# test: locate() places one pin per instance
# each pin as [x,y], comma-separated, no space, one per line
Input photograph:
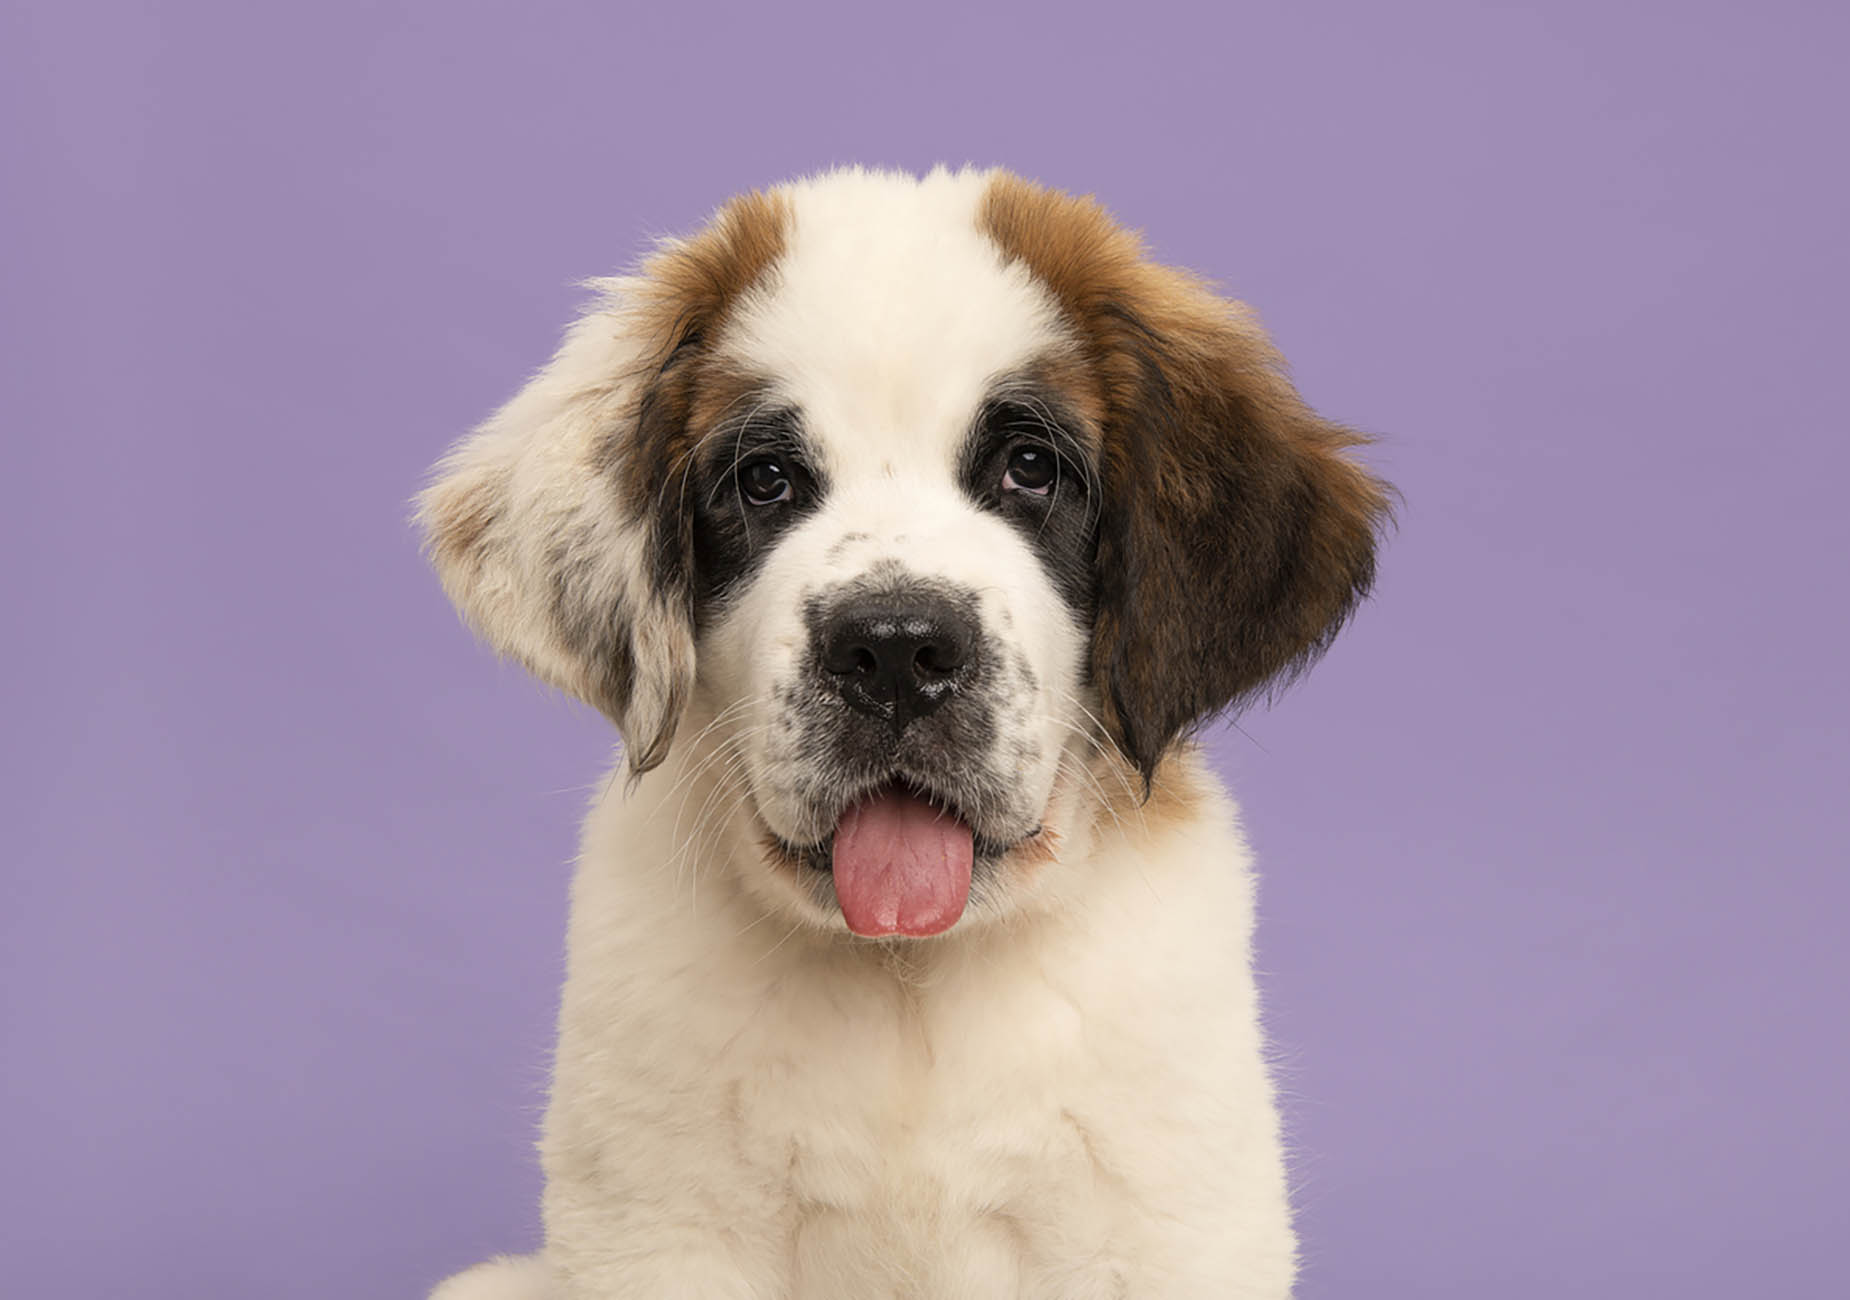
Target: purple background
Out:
[1554,841]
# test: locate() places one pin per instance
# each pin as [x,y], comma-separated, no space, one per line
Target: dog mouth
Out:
[901,858]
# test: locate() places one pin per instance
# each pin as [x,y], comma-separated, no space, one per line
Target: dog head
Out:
[936,505]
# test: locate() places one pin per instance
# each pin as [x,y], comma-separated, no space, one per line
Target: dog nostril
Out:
[943,650]
[933,660]
[852,658]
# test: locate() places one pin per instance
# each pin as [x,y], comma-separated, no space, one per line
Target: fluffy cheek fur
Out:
[763,719]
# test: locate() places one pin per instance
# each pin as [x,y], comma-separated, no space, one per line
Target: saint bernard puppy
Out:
[907,530]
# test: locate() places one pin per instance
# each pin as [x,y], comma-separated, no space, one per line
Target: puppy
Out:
[906,529]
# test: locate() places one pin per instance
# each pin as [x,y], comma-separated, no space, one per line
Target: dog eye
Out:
[765,481]
[1031,469]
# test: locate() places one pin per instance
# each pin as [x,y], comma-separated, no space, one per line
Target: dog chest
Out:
[937,1132]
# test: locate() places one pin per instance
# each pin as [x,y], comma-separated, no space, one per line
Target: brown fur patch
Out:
[688,288]
[1035,851]
[674,308]
[1173,797]
[1235,535]
[1070,373]
[457,519]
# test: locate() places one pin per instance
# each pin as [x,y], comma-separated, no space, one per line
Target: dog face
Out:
[936,505]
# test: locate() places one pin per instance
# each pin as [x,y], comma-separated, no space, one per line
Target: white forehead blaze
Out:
[887,321]
[888,318]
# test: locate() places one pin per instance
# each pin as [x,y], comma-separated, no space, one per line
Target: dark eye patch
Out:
[754,477]
[1023,460]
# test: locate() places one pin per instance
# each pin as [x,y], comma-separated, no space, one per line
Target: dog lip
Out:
[818,855]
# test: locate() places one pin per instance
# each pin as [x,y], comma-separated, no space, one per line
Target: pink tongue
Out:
[901,866]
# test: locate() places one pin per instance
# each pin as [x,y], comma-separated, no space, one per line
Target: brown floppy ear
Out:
[555,526]
[1235,533]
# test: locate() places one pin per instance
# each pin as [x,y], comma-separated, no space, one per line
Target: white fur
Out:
[1072,1106]
[1064,1097]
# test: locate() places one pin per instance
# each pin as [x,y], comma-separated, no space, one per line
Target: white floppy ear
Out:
[559,527]
[544,552]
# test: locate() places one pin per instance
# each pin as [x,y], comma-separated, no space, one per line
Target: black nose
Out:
[898,656]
